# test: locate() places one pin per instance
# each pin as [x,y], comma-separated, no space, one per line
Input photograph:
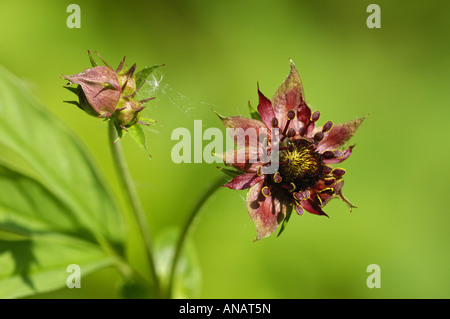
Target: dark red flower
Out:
[300,151]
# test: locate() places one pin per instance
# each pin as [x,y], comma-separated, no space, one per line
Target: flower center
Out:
[300,164]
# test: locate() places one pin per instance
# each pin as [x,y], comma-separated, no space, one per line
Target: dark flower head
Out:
[301,151]
[107,93]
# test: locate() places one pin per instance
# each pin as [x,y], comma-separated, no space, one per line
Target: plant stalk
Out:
[132,198]
[210,189]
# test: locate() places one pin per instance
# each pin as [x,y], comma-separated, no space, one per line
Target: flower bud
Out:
[128,113]
[105,93]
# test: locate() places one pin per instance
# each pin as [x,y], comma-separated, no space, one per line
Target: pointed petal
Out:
[336,160]
[242,122]
[244,131]
[266,212]
[265,109]
[304,113]
[335,192]
[244,159]
[312,207]
[289,95]
[244,181]
[339,134]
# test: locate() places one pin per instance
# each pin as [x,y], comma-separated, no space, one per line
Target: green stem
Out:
[132,196]
[210,189]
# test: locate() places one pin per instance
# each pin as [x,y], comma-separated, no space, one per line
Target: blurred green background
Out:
[215,53]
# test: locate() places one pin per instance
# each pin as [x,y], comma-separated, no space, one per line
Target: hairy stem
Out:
[132,198]
[209,190]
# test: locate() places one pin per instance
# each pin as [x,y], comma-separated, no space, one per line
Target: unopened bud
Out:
[105,93]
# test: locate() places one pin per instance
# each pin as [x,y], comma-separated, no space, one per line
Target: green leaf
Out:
[28,208]
[39,265]
[59,159]
[138,135]
[39,237]
[58,213]
[187,274]
[142,75]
